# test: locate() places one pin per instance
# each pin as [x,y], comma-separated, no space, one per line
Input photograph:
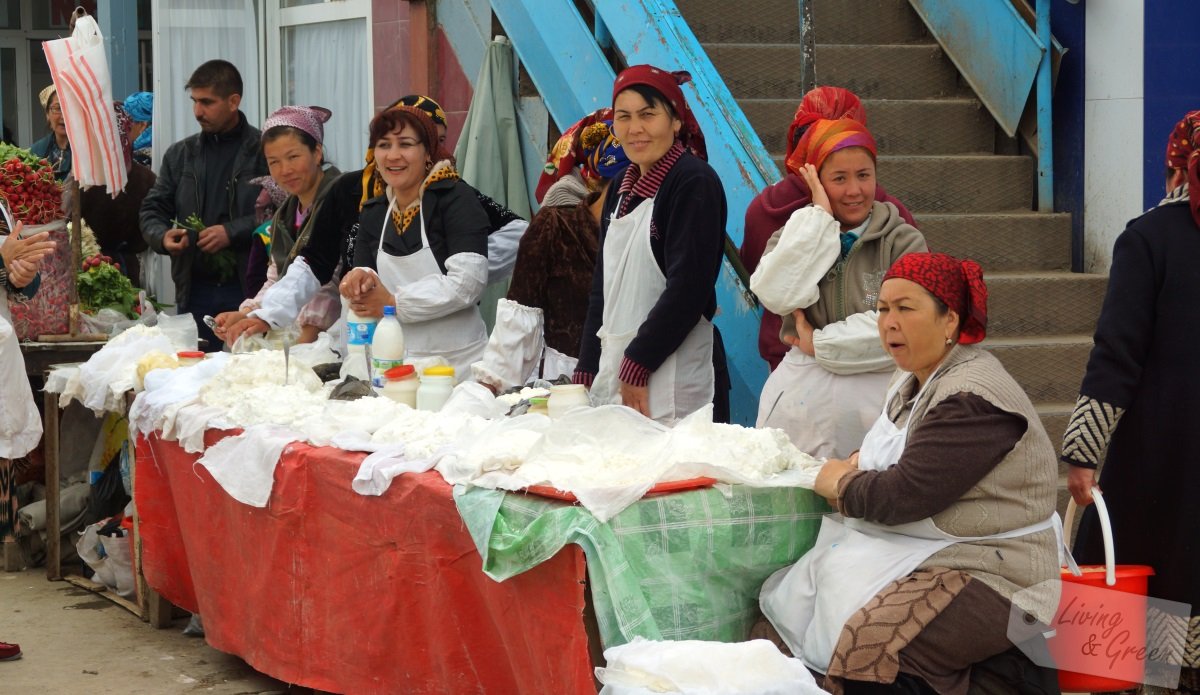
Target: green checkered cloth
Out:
[682,566]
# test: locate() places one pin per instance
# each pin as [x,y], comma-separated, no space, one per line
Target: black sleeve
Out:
[692,225]
[1125,329]
[589,347]
[335,217]
[158,207]
[464,224]
[370,222]
[951,449]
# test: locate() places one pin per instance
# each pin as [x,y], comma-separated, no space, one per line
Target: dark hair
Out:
[218,75]
[274,133]
[390,120]
[652,96]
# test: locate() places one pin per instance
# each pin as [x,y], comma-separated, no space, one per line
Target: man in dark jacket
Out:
[208,175]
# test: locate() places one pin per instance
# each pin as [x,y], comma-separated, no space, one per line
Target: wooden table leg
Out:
[53,523]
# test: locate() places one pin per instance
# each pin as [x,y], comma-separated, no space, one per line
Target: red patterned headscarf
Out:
[824,137]
[1183,152]
[567,153]
[957,283]
[667,84]
[829,103]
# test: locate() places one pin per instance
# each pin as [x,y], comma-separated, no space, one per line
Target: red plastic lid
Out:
[190,354]
[400,371]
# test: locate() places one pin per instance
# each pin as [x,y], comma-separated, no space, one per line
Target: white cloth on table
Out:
[244,465]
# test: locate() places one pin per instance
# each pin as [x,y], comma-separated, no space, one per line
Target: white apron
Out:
[20,423]
[824,414]
[633,284]
[459,337]
[854,559]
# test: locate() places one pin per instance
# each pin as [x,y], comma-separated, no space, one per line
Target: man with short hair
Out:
[208,175]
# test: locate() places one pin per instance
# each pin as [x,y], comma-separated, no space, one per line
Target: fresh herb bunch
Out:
[102,285]
[221,265]
[27,183]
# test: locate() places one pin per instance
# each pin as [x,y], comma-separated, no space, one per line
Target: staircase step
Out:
[910,71]
[1017,241]
[1049,369]
[1043,304]
[865,22]
[899,126]
[771,21]
[756,71]
[1054,417]
[961,183]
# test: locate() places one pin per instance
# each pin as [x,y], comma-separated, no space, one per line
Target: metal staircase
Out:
[942,154]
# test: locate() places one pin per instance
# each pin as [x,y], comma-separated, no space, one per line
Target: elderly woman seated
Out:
[946,512]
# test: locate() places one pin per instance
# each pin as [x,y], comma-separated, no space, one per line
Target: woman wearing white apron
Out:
[648,335]
[821,274]
[422,246]
[947,512]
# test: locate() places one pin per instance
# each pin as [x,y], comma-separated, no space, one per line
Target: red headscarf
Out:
[1183,152]
[824,137]
[958,283]
[667,84]
[829,103]
[567,153]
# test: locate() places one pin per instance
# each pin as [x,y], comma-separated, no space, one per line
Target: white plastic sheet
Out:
[646,667]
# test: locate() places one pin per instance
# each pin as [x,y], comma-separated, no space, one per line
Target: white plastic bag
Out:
[180,330]
[109,557]
[20,423]
[757,667]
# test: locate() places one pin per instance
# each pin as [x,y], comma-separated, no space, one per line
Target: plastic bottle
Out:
[436,385]
[387,346]
[359,331]
[401,384]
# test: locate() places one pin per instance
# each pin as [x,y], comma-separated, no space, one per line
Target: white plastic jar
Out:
[401,383]
[436,385]
[567,397]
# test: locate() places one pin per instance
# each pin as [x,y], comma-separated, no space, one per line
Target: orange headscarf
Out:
[824,137]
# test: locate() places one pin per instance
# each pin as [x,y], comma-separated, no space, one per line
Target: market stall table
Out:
[337,591]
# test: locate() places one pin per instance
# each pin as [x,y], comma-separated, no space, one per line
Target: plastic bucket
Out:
[1130,579]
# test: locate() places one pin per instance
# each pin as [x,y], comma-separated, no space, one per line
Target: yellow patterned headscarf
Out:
[442,171]
[372,185]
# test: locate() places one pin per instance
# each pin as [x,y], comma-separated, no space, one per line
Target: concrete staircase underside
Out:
[938,154]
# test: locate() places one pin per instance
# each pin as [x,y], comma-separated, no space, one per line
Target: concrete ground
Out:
[76,641]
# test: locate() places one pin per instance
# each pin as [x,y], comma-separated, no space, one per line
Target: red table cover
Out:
[336,591]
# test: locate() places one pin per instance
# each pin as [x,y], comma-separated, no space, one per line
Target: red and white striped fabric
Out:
[80,72]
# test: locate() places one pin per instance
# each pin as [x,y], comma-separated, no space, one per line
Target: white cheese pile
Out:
[426,433]
[250,387]
[511,399]
[750,454]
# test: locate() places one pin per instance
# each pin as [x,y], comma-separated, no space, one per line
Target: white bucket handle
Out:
[1110,569]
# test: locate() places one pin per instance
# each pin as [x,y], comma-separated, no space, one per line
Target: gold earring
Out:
[428,166]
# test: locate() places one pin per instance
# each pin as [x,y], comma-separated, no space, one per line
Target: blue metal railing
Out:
[1003,60]
[565,60]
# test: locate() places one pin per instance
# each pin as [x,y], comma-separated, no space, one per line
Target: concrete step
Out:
[1054,418]
[899,126]
[960,183]
[1020,241]
[1034,305]
[1048,368]
[771,21]
[910,71]
[759,71]
[865,22]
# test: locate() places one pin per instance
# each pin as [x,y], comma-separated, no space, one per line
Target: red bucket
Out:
[1128,579]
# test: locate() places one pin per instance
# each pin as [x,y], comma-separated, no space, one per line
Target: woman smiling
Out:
[821,273]
[648,336]
[423,245]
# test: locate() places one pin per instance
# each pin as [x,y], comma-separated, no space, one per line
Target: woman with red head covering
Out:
[648,335]
[948,519]
[1138,404]
[771,208]
[821,273]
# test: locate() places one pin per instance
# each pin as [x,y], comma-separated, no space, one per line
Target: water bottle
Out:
[359,332]
[387,346]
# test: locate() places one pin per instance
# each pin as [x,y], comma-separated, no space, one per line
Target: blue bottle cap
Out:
[389,311]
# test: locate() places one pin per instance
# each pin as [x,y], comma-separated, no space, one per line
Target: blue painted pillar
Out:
[1045,125]
[118,23]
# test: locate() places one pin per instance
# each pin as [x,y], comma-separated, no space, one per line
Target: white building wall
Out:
[1113,109]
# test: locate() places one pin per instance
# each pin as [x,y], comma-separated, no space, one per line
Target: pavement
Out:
[76,641]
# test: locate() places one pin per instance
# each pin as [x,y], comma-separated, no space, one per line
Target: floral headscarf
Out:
[1183,153]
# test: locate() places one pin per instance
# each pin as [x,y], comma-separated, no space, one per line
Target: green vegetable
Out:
[103,286]
[222,265]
